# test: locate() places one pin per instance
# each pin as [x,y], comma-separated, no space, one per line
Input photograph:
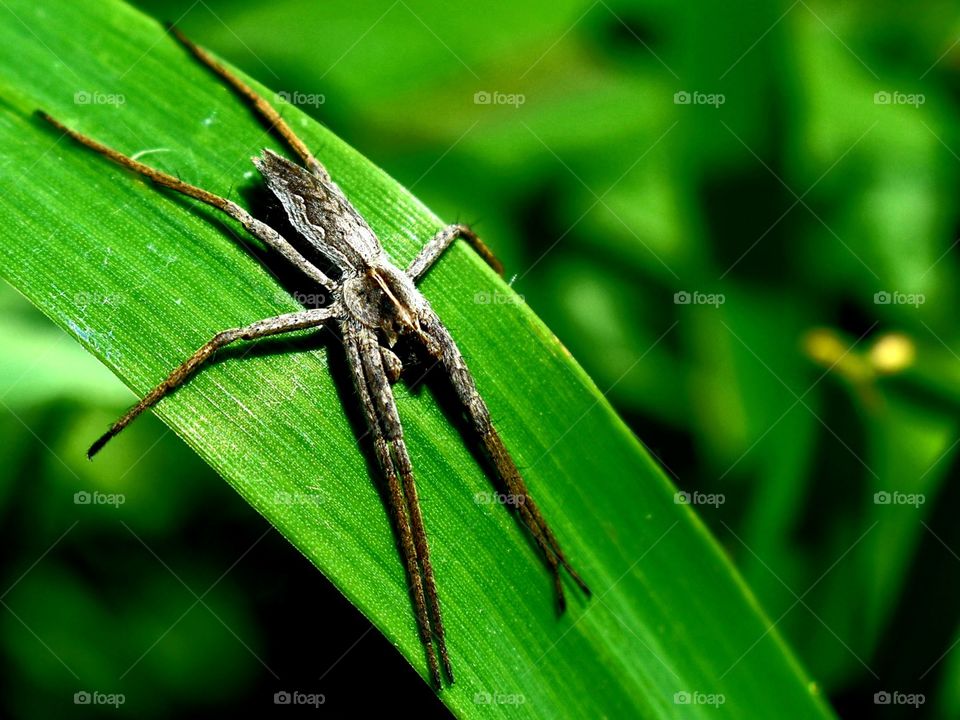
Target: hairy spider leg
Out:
[356,342]
[288,322]
[258,102]
[259,229]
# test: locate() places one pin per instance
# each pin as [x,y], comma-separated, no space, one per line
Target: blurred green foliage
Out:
[828,174]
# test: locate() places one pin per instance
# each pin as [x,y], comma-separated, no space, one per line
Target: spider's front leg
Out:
[438,244]
[369,367]
[256,227]
[259,104]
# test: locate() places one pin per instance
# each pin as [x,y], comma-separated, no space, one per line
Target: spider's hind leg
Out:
[478,413]
[373,388]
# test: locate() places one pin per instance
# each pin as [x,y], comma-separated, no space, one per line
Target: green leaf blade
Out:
[158,275]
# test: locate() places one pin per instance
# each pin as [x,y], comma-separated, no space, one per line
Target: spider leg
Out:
[258,102]
[373,388]
[270,326]
[476,409]
[391,364]
[432,251]
[379,383]
[259,229]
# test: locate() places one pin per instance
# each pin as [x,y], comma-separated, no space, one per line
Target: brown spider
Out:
[374,303]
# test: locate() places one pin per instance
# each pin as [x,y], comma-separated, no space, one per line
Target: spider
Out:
[374,303]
